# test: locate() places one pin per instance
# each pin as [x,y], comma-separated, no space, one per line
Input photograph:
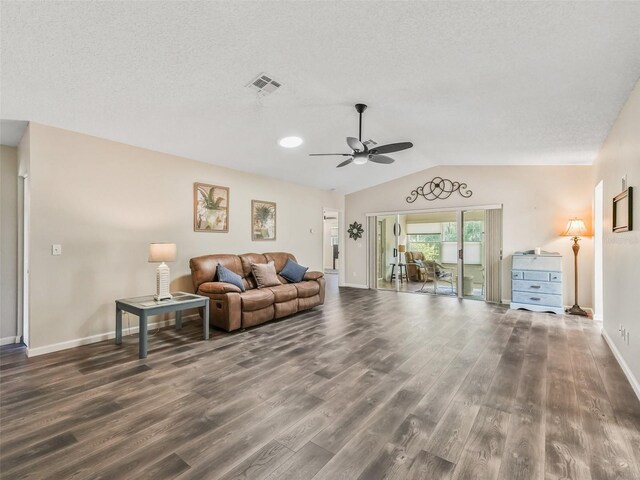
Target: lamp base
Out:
[576,310]
[162,283]
[168,296]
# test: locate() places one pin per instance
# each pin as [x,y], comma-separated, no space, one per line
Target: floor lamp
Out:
[575,229]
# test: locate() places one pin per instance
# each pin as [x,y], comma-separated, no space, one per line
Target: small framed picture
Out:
[263,220]
[623,211]
[210,208]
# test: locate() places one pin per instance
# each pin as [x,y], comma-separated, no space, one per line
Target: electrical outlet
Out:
[56,249]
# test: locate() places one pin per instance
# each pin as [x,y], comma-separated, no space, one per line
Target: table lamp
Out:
[162,252]
[576,229]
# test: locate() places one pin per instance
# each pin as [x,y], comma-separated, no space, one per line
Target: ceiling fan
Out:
[362,152]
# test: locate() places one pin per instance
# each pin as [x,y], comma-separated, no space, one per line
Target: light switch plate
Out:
[56,249]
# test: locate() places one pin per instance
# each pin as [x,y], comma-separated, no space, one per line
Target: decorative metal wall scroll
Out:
[439,188]
[355,230]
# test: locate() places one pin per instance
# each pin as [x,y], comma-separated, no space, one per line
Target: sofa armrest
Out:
[313,275]
[218,288]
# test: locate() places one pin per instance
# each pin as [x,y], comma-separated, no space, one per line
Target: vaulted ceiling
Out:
[468,83]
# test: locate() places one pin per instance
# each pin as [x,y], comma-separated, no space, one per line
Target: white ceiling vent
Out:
[264,84]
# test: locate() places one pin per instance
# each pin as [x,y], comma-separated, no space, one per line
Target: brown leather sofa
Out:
[232,309]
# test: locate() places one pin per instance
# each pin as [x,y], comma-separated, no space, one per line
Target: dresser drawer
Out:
[555,277]
[533,287]
[536,262]
[516,275]
[535,275]
[543,299]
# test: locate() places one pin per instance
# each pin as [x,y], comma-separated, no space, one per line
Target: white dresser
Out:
[536,282]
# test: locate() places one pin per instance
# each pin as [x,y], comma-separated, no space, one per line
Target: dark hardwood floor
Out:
[372,385]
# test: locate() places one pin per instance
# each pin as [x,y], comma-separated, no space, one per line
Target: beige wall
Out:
[8,243]
[620,155]
[537,203]
[105,202]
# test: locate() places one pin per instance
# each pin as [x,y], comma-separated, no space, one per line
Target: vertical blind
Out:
[493,254]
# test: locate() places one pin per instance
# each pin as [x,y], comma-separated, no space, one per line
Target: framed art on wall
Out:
[623,211]
[210,208]
[263,220]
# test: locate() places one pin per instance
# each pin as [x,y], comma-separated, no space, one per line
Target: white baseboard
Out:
[625,368]
[9,340]
[56,347]
[597,318]
[354,285]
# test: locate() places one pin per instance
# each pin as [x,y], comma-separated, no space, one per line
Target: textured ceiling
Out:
[468,83]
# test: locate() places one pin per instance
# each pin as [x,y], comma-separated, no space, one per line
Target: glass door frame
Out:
[460,237]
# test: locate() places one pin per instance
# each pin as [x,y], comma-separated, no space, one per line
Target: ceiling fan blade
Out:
[345,163]
[355,144]
[332,154]
[392,147]
[381,159]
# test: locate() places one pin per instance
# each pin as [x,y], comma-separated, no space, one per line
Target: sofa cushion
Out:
[225,275]
[265,274]
[256,299]
[203,268]
[307,289]
[293,271]
[284,293]
[313,275]
[248,259]
[279,259]
[217,288]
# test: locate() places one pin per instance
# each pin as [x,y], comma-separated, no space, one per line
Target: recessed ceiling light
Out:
[290,142]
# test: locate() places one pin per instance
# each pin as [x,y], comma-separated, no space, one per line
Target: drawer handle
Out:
[534,286]
[536,299]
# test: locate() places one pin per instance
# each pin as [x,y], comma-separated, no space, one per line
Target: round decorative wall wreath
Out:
[355,230]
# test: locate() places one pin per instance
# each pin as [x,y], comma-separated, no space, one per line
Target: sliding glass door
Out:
[390,268]
[453,253]
[473,254]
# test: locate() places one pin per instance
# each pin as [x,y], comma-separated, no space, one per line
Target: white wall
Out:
[8,244]
[537,201]
[105,202]
[620,155]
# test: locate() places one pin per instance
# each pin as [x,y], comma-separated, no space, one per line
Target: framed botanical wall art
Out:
[263,220]
[210,208]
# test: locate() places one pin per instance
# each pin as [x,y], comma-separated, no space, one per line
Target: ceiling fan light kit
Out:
[361,152]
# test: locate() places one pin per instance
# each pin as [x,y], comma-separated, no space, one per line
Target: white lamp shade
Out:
[575,228]
[162,252]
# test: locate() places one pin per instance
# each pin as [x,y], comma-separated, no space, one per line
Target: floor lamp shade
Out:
[162,252]
[576,229]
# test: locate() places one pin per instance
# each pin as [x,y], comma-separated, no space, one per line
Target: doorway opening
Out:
[331,241]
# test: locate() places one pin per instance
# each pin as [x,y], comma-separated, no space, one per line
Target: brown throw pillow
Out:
[265,274]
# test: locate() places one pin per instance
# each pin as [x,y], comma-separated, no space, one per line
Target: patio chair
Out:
[433,271]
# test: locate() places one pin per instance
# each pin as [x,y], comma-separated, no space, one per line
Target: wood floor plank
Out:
[525,442]
[304,465]
[484,450]
[427,465]
[565,452]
